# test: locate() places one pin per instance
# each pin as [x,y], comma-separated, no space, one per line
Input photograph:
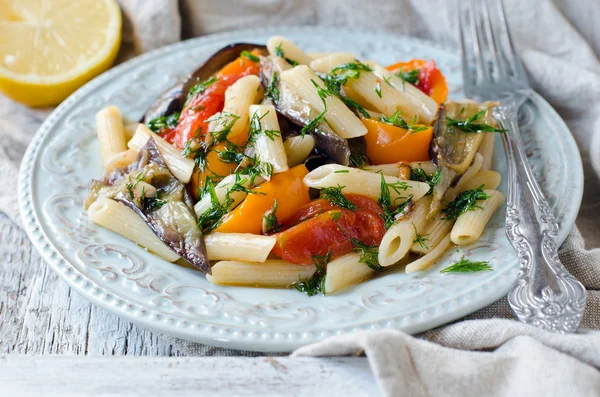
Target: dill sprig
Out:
[385,200]
[316,284]
[272,90]
[256,128]
[378,89]
[151,204]
[420,239]
[312,125]
[470,126]
[279,53]
[368,254]
[465,201]
[358,160]
[212,217]
[338,76]
[131,185]
[197,150]
[249,56]
[231,154]
[418,174]
[199,88]
[397,120]
[410,76]
[226,121]
[467,266]
[270,222]
[158,123]
[335,196]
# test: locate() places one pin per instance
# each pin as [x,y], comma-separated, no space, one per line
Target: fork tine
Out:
[512,58]
[467,69]
[497,64]
[478,46]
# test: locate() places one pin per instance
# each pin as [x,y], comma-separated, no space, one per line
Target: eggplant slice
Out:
[150,189]
[290,105]
[173,99]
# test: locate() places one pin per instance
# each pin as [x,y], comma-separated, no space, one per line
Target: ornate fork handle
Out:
[545,293]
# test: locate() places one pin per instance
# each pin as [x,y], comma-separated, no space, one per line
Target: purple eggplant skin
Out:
[174,222]
[291,106]
[173,99]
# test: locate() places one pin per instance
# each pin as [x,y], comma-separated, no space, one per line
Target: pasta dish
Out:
[272,167]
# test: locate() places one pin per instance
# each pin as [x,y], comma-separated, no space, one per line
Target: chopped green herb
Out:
[316,284]
[335,215]
[256,169]
[161,122]
[256,128]
[354,105]
[341,172]
[420,239]
[272,90]
[211,218]
[335,196]
[378,89]
[239,186]
[226,121]
[232,154]
[397,120]
[470,126]
[131,185]
[312,125]
[410,76]
[419,174]
[465,201]
[368,255]
[467,266]
[151,204]
[270,222]
[385,200]
[196,150]
[248,55]
[387,80]
[199,88]
[358,160]
[279,53]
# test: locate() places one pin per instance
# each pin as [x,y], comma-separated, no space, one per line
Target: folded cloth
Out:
[517,359]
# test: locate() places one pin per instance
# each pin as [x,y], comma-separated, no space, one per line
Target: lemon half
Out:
[49,48]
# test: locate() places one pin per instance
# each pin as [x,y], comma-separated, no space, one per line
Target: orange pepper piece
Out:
[431,80]
[287,188]
[390,144]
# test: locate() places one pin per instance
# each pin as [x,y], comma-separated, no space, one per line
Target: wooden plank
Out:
[40,314]
[165,376]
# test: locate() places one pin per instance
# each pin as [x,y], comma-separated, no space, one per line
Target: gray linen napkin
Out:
[563,68]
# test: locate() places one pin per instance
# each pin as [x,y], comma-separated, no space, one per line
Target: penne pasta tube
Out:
[468,226]
[486,149]
[274,273]
[238,98]
[116,217]
[369,90]
[341,119]
[238,246]
[433,232]
[280,46]
[119,160]
[431,257]
[400,237]
[392,169]
[489,179]
[367,183]
[268,144]
[345,271]
[111,133]
[222,189]
[297,148]
[469,173]
[420,103]
[182,167]
[317,55]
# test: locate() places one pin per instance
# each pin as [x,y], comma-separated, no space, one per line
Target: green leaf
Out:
[335,196]
[467,266]
[470,126]
[465,201]
[158,123]
[397,120]
[199,88]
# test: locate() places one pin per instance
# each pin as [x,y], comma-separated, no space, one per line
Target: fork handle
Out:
[545,294]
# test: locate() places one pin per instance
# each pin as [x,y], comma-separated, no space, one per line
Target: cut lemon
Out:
[49,48]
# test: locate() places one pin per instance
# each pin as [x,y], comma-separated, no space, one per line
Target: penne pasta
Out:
[280,46]
[490,180]
[317,55]
[238,98]
[268,144]
[274,273]
[415,100]
[369,90]
[341,119]
[116,217]
[468,226]
[182,167]
[238,246]
[469,173]
[111,134]
[399,238]
[392,169]
[297,149]
[367,183]
[433,232]
[431,257]
[222,192]
[122,159]
[486,149]
[345,271]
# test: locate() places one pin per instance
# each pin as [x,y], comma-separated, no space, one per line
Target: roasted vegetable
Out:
[173,99]
[300,113]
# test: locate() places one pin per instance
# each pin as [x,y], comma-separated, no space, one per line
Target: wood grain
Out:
[166,376]
[40,314]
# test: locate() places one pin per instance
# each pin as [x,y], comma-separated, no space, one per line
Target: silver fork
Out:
[545,293]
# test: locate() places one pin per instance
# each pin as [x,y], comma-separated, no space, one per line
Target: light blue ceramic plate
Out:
[121,277]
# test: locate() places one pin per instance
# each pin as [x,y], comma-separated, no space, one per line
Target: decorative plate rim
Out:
[230,336]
